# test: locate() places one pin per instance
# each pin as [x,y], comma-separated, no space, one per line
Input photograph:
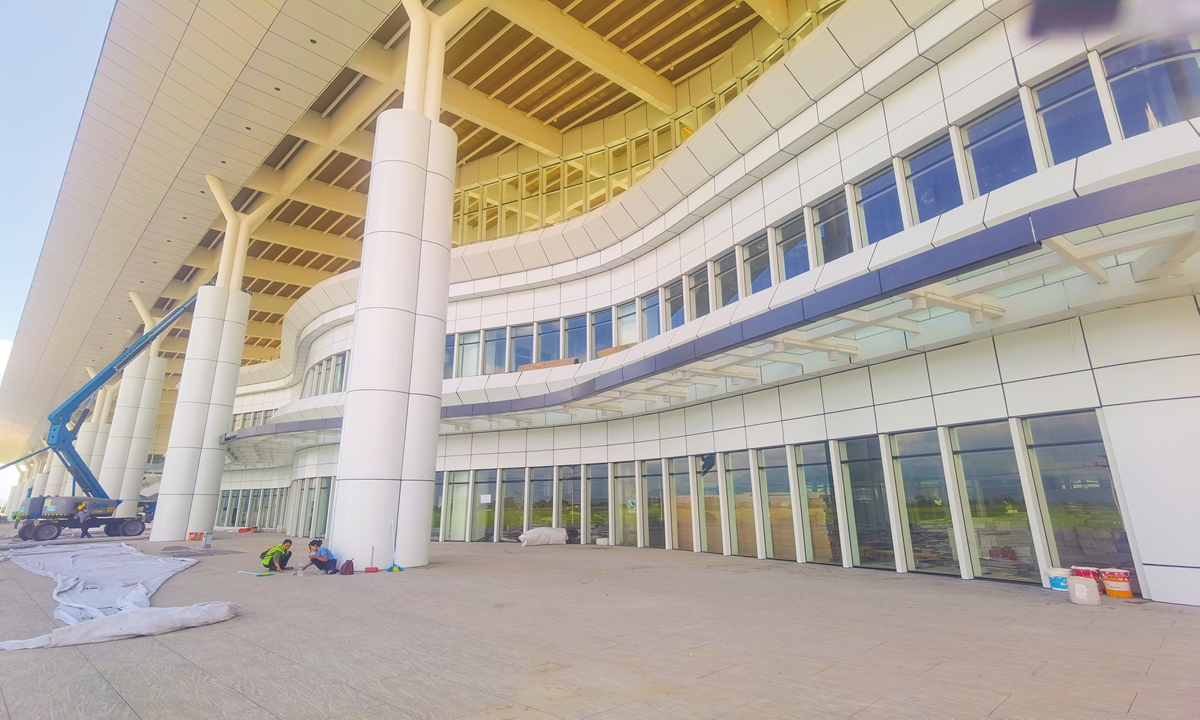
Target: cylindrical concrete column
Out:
[143,431]
[12,498]
[191,416]
[85,442]
[40,480]
[103,428]
[393,401]
[58,472]
[116,451]
[203,512]
[23,489]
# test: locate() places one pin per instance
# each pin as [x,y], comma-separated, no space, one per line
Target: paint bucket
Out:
[1116,582]
[1058,578]
[1088,572]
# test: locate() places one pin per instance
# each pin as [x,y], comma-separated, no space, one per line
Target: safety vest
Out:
[277,550]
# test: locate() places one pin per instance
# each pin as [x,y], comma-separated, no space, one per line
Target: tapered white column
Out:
[393,401]
[191,415]
[203,512]
[13,492]
[41,476]
[143,432]
[103,427]
[58,472]
[116,451]
[85,443]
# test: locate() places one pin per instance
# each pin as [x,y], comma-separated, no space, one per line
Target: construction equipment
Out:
[43,518]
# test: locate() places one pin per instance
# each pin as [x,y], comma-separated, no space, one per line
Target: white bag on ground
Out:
[131,623]
[543,536]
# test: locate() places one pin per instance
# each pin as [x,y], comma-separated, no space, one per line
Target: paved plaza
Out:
[500,631]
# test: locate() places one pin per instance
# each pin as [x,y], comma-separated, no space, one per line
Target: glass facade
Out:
[740,491]
[627,324]
[933,179]
[725,275]
[522,346]
[756,258]
[435,531]
[483,514]
[597,480]
[879,205]
[673,297]
[793,248]
[651,317]
[549,341]
[928,527]
[870,526]
[698,293]
[260,507]
[458,496]
[709,485]
[468,354]
[448,362]
[326,376]
[1070,469]
[996,514]
[495,351]
[512,504]
[570,502]
[541,497]
[833,228]
[999,149]
[654,504]
[776,492]
[814,475]
[681,490]
[1155,84]
[624,521]
[602,332]
[1072,121]
[577,341]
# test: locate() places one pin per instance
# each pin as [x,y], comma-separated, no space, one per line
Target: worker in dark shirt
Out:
[277,557]
[83,515]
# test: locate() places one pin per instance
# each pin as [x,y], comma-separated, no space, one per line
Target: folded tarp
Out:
[131,623]
[544,536]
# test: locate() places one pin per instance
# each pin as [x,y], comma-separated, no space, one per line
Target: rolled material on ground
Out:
[134,623]
[543,536]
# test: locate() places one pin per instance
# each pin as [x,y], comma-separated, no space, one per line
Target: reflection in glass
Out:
[1070,467]
[833,227]
[776,492]
[651,317]
[793,248]
[709,484]
[597,478]
[457,497]
[541,497]
[624,530]
[522,346]
[999,148]
[602,331]
[673,294]
[934,180]
[468,354]
[1071,116]
[652,505]
[577,337]
[871,529]
[725,274]
[921,486]
[681,488]
[627,324]
[739,487]
[698,286]
[549,342]
[512,510]
[757,260]
[880,203]
[447,361]
[495,357]
[435,532]
[815,477]
[997,517]
[1155,84]
[570,501]
[483,525]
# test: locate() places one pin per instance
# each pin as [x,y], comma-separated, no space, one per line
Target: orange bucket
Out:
[1116,582]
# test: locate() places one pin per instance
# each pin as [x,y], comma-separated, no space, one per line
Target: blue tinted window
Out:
[1071,116]
[448,362]
[522,346]
[698,284]
[494,351]
[934,180]
[793,248]
[757,260]
[548,341]
[674,299]
[999,148]
[651,318]
[577,337]
[880,206]
[602,335]
[833,227]
[1155,84]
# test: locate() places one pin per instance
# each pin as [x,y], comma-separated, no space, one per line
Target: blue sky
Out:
[48,54]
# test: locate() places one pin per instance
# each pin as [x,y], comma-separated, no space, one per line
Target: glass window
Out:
[674,299]
[541,497]
[484,523]
[577,337]
[653,507]
[435,531]
[815,477]
[698,289]
[879,202]
[495,356]
[1070,467]
[707,481]
[624,530]
[756,258]
[921,487]
[597,479]
[651,316]
[1072,120]
[870,526]
[1155,84]
[549,341]
[468,354]
[833,227]
[512,509]
[522,346]
[996,514]
[739,488]
[776,492]
[570,501]
[681,489]
[457,498]
[448,363]
[793,248]
[627,323]
[934,180]
[602,332]
[998,148]
[324,377]
[725,274]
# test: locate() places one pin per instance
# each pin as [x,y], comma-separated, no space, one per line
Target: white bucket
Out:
[1058,578]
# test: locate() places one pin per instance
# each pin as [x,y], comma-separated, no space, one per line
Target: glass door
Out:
[776,492]
[711,539]
[483,523]
[597,478]
[653,504]
[322,510]
[541,497]
[625,494]
[570,500]
[871,529]
[814,475]
[740,491]
[435,530]
[512,521]
[928,529]
[681,489]
[457,500]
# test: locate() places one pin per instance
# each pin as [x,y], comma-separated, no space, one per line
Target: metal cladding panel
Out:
[1115,203]
[674,357]
[993,245]
[843,296]
[783,318]
[714,342]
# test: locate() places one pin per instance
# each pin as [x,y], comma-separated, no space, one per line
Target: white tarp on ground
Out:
[103,593]
[544,536]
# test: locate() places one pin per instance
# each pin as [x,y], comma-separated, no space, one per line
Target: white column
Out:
[219,419]
[58,472]
[103,427]
[12,503]
[393,399]
[191,415]
[23,488]
[85,442]
[116,451]
[41,476]
[143,433]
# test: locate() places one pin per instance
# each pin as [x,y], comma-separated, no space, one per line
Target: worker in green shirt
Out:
[277,557]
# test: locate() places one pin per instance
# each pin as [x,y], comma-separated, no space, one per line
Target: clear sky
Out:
[48,54]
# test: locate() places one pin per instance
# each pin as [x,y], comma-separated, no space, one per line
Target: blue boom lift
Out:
[43,518]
